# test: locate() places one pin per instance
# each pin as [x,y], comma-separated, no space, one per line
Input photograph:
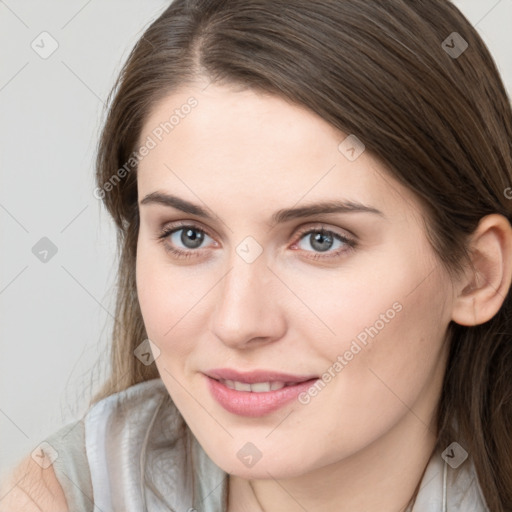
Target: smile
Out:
[256,399]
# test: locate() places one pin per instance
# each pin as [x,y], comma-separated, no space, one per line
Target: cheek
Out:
[156,291]
[162,292]
[398,360]
[171,304]
[397,294]
[151,287]
[389,322]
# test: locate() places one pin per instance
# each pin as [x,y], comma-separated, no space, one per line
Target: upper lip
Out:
[256,376]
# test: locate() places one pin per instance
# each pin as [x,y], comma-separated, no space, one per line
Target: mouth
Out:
[257,387]
[251,395]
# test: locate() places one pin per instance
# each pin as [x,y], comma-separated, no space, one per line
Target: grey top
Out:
[133,452]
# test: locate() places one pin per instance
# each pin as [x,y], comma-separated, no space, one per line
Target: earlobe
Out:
[487,283]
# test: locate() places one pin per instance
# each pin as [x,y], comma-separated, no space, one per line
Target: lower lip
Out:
[248,403]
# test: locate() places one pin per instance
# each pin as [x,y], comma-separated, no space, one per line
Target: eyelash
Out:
[181,254]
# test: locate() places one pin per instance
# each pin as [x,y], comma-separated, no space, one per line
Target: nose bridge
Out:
[246,305]
[243,286]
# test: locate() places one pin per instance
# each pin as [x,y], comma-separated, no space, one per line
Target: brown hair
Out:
[441,123]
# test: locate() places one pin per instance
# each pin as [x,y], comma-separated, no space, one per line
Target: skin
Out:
[364,441]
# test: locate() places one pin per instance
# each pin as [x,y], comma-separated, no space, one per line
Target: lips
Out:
[256,393]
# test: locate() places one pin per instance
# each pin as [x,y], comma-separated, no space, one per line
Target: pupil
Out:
[321,242]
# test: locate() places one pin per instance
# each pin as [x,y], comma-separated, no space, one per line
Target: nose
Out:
[248,306]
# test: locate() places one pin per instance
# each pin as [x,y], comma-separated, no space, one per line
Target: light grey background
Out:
[56,316]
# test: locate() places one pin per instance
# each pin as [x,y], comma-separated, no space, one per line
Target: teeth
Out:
[257,387]
[241,386]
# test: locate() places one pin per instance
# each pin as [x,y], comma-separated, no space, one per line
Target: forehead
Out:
[256,150]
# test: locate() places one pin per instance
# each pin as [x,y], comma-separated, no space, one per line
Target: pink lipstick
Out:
[255,393]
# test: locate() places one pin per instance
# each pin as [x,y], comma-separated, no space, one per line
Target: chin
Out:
[277,466]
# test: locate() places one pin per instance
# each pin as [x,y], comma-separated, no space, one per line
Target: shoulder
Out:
[84,452]
[30,488]
[43,484]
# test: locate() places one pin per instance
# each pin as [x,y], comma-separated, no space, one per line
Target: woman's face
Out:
[363,307]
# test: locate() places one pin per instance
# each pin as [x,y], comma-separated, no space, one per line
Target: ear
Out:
[486,285]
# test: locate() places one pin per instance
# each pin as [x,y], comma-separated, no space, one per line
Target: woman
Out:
[313,207]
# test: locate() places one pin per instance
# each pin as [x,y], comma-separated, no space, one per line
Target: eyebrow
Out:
[280,216]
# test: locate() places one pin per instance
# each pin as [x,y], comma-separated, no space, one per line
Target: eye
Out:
[184,240]
[187,240]
[325,243]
